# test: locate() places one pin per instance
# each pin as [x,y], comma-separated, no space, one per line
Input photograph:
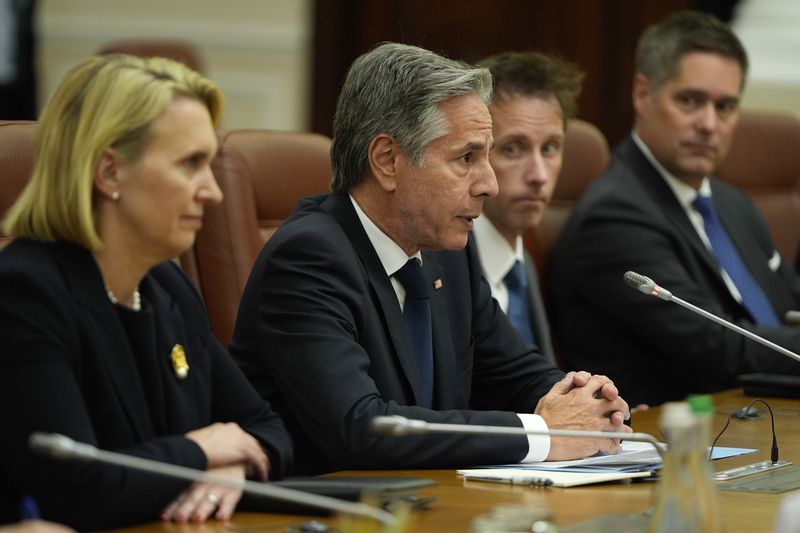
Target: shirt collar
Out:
[683,192]
[496,256]
[389,252]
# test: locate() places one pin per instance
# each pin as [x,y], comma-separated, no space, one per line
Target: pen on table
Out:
[28,509]
[513,480]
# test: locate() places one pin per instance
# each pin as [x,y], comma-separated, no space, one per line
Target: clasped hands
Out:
[231,452]
[585,402]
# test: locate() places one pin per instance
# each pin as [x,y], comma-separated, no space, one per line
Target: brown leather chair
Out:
[180,51]
[764,163]
[262,174]
[16,163]
[586,155]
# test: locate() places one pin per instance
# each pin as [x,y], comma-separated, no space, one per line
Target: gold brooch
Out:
[179,363]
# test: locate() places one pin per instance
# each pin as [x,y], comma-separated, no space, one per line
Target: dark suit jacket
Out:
[629,219]
[320,333]
[66,366]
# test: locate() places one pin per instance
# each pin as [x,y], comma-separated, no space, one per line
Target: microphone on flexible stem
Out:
[64,448]
[401,426]
[648,286]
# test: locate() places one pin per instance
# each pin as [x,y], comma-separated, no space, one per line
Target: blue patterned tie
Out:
[518,311]
[417,316]
[753,298]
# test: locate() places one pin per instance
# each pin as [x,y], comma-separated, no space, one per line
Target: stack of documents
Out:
[554,478]
[637,459]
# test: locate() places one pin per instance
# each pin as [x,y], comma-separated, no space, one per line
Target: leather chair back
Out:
[586,156]
[16,163]
[764,163]
[262,174]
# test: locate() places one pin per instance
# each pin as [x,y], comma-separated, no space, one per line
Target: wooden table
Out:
[458,502]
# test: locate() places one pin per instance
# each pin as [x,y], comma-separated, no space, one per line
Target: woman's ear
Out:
[384,156]
[106,175]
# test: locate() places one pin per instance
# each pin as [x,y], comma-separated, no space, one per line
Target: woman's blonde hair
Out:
[106,101]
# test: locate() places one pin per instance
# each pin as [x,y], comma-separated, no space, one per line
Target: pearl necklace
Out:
[136,305]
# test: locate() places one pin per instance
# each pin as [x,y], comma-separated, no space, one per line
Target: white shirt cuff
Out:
[538,445]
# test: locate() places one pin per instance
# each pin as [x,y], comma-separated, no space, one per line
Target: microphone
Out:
[64,448]
[401,426]
[648,286]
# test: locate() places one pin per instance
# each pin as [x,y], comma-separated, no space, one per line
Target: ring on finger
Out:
[213,498]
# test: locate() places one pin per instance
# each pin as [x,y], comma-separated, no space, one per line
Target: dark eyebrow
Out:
[474,147]
[698,93]
[730,99]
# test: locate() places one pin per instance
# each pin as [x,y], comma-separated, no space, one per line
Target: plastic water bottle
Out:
[685,497]
[708,498]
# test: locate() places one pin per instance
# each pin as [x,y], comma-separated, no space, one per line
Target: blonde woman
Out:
[103,338]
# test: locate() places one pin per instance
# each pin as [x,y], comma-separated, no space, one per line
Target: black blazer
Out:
[66,366]
[629,219]
[321,335]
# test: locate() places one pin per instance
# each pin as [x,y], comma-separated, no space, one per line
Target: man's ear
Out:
[107,173]
[384,156]
[642,92]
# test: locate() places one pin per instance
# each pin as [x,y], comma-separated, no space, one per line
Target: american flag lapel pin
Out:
[437,283]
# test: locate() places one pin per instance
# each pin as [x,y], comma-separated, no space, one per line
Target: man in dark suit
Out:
[658,211]
[534,96]
[351,312]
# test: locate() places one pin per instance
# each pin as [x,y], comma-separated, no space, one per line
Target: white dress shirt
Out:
[497,257]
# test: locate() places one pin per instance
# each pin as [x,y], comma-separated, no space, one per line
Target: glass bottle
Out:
[703,408]
[685,497]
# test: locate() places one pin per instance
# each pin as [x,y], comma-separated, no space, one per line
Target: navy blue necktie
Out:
[518,311]
[417,316]
[728,257]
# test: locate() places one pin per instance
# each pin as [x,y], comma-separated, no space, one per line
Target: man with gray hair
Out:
[658,211]
[369,301]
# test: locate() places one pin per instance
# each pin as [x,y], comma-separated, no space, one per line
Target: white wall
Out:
[258,51]
[770,31]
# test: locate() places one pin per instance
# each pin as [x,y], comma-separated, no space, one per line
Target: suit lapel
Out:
[658,189]
[444,358]
[752,251]
[108,334]
[185,407]
[341,208]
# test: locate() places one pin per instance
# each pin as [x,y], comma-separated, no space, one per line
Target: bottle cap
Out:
[701,403]
[676,415]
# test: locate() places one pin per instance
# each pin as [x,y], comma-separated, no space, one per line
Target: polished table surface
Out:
[458,501]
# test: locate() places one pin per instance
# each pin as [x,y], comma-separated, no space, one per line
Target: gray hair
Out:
[396,89]
[662,46]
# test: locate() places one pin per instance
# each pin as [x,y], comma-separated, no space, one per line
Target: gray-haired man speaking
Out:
[369,301]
